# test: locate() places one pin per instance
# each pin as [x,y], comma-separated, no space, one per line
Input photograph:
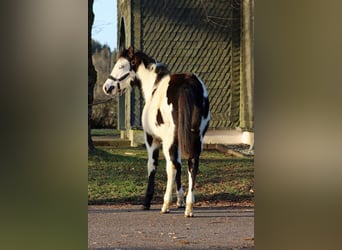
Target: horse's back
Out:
[182,82]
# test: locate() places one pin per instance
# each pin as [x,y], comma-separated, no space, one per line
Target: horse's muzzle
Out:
[110,89]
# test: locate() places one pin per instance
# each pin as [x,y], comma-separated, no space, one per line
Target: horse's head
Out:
[122,74]
[124,71]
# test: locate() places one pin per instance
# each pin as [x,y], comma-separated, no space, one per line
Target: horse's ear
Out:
[130,52]
[121,50]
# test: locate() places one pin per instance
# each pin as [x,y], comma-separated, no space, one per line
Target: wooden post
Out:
[247,66]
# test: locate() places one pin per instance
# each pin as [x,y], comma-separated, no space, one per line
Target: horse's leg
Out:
[152,146]
[176,160]
[193,164]
[190,198]
[171,174]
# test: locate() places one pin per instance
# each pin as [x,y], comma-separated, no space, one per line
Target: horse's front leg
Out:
[152,146]
[171,174]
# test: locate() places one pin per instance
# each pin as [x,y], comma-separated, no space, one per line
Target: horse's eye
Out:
[121,66]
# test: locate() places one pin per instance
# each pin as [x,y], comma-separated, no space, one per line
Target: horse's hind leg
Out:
[152,146]
[190,198]
[176,160]
[193,165]
[180,191]
[173,169]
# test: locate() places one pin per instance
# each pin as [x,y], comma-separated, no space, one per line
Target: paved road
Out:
[128,227]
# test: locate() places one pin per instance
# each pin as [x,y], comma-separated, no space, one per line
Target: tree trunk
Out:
[92,75]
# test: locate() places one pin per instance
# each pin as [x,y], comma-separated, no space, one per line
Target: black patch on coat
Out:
[187,91]
[136,83]
[150,185]
[125,53]
[184,82]
[155,156]
[193,165]
[140,57]
[161,71]
[149,191]
[149,139]
[159,118]
[205,107]
[181,83]
[173,151]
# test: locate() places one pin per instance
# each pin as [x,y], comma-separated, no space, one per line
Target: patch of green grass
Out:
[102,132]
[120,175]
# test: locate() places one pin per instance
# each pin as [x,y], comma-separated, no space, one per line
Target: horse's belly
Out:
[159,131]
[153,127]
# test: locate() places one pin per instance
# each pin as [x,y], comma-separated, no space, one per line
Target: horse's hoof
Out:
[180,206]
[188,211]
[165,208]
[143,207]
[190,215]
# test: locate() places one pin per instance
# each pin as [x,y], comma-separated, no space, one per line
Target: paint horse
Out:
[175,117]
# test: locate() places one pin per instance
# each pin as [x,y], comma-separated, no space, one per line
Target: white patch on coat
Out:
[150,149]
[190,198]
[154,103]
[204,121]
[180,197]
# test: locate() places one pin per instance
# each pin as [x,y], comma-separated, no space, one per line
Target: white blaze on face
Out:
[121,67]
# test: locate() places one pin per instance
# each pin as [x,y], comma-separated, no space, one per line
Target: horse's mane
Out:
[144,58]
[161,70]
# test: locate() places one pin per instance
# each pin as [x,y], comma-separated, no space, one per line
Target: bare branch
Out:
[224,22]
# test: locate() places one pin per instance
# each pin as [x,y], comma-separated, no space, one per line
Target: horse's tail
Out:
[185,110]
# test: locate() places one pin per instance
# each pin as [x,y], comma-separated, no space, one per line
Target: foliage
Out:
[97,47]
[120,175]
[104,115]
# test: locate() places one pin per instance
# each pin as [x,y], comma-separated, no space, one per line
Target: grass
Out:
[102,132]
[120,176]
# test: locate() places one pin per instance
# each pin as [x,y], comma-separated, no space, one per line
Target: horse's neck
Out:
[147,79]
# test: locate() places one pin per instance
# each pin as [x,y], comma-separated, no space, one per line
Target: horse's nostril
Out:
[110,89]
